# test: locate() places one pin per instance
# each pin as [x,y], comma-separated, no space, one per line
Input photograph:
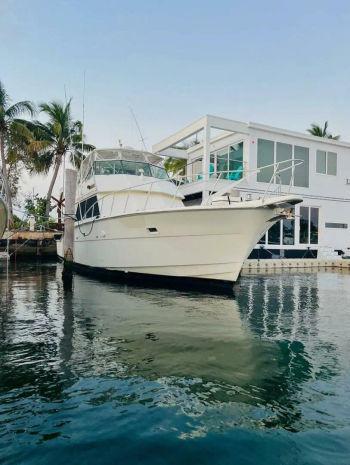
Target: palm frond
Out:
[19,108]
[4,98]
[318,131]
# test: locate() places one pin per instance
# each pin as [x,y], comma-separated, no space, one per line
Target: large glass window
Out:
[301,172]
[287,226]
[228,162]
[197,169]
[332,163]
[222,163]
[326,162]
[309,220]
[274,234]
[304,225]
[235,155]
[288,229]
[284,152]
[313,225]
[265,157]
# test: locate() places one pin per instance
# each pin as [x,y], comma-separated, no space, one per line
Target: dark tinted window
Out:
[88,208]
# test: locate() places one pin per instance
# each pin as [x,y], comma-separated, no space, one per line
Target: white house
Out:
[222,150]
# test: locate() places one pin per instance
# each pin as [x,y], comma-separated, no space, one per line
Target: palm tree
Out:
[12,133]
[320,131]
[53,140]
[175,165]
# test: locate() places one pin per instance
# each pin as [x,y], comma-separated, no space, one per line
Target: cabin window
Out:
[158,172]
[326,162]
[88,209]
[108,167]
[135,168]
[309,219]
[269,152]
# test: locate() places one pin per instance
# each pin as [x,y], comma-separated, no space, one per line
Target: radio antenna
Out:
[83,122]
[138,128]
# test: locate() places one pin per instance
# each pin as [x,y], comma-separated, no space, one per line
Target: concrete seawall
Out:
[270,265]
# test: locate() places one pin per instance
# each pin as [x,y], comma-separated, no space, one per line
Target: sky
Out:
[280,63]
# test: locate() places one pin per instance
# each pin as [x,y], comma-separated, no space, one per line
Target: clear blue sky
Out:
[284,63]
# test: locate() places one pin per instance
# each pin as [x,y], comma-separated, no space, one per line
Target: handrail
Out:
[125,189]
[293,162]
[276,174]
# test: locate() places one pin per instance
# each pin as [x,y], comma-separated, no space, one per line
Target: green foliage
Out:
[36,206]
[59,135]
[319,131]
[18,223]
[175,165]
[13,134]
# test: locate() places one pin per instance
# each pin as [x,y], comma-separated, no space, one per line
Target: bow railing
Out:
[275,181]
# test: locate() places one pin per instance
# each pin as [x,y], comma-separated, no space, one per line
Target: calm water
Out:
[114,374]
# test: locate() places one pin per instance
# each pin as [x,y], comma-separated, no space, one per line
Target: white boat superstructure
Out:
[131,219]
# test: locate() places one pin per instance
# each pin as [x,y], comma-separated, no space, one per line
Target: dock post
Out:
[70,183]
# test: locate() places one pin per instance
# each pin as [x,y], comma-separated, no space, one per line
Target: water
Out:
[113,374]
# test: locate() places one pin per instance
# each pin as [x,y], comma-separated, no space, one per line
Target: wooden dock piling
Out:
[69,214]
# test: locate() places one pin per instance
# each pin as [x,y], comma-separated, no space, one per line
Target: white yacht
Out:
[131,220]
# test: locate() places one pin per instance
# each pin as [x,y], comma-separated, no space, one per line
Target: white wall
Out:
[329,193]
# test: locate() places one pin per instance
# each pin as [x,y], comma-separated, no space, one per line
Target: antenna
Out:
[138,128]
[83,122]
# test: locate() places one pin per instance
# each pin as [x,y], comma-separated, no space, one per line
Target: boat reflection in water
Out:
[207,363]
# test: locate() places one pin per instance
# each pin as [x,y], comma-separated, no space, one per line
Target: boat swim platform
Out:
[270,265]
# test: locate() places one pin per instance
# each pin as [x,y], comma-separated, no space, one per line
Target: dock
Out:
[29,244]
[255,266]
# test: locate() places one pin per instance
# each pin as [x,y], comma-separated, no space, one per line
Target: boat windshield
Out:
[136,168]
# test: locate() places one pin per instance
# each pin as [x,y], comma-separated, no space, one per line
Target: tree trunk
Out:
[52,184]
[6,181]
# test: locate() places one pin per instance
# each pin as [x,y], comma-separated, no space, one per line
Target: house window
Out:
[227,162]
[309,220]
[288,230]
[301,171]
[282,233]
[270,152]
[326,162]
[197,169]
[266,156]
[284,152]
[274,234]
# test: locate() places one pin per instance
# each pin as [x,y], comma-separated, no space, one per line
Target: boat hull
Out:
[198,244]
